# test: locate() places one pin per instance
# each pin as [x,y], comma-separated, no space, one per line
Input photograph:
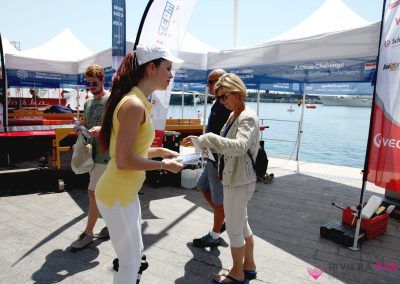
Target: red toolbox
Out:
[372,227]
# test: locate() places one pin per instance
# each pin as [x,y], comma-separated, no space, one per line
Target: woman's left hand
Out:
[167,153]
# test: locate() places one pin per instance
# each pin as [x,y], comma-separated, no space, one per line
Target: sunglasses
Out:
[211,81]
[224,97]
[92,84]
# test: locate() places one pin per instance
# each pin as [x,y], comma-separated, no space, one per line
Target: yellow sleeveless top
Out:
[122,185]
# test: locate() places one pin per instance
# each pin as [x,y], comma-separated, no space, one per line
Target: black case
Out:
[171,140]
[339,233]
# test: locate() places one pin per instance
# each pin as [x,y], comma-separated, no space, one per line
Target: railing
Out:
[264,122]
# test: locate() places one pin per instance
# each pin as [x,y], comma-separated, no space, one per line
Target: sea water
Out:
[331,134]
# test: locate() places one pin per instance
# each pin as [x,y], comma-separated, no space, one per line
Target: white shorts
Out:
[95,174]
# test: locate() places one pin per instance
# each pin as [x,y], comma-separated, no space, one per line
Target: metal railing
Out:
[264,122]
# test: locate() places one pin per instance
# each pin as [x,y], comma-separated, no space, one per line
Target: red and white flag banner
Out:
[384,157]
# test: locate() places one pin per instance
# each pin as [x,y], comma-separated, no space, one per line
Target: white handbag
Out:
[82,160]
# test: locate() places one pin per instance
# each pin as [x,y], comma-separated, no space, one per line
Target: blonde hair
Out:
[95,71]
[231,83]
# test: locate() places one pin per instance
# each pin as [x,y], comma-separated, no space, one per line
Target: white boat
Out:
[347,100]
[291,109]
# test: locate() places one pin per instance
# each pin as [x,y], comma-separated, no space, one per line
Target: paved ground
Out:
[37,228]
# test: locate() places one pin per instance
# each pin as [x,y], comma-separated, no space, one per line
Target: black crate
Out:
[340,233]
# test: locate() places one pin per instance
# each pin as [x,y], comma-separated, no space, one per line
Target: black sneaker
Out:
[103,233]
[83,241]
[207,241]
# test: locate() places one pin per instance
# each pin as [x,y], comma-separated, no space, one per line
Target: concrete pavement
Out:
[37,229]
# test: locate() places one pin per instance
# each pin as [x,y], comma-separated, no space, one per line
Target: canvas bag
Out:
[82,160]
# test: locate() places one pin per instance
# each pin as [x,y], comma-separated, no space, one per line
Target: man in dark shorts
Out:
[209,183]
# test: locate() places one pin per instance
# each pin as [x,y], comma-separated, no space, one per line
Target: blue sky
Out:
[33,22]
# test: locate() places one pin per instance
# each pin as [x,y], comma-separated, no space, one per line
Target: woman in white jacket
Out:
[238,140]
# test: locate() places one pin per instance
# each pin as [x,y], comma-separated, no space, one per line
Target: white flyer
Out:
[205,152]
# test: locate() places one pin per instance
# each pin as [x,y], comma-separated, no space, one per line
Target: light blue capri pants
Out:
[235,207]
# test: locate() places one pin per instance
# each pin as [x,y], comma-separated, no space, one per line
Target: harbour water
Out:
[331,134]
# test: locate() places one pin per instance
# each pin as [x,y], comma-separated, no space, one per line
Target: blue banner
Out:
[343,70]
[198,87]
[340,88]
[283,87]
[190,76]
[118,32]
[27,78]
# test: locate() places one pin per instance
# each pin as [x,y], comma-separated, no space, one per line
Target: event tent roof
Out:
[302,58]
[8,47]
[193,44]
[332,16]
[63,47]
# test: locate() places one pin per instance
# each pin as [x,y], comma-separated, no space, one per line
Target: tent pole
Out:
[258,101]
[182,103]
[300,131]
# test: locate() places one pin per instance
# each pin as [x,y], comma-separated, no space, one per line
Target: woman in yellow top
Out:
[127,132]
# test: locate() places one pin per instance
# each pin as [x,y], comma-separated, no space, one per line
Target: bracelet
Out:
[161,166]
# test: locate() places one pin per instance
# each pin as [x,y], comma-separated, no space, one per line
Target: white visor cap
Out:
[146,53]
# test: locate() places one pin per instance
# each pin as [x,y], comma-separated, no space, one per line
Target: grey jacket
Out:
[243,135]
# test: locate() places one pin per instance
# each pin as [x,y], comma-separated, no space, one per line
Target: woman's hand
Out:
[189,139]
[172,165]
[167,153]
[94,131]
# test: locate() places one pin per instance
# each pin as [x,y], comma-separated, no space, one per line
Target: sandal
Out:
[230,279]
[250,274]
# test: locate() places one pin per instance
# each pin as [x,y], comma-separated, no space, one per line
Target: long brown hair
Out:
[127,76]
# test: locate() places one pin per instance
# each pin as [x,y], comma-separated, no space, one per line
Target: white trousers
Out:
[124,226]
[235,208]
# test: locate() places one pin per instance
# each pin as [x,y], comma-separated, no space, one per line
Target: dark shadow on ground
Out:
[286,214]
[289,217]
[39,180]
[204,265]
[51,236]
[61,264]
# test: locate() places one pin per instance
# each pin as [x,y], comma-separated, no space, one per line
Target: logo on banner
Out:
[166,19]
[391,66]
[22,74]
[369,66]
[394,4]
[385,142]
[395,41]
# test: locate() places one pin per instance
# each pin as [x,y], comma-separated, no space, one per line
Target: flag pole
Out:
[367,153]
[142,23]
[235,23]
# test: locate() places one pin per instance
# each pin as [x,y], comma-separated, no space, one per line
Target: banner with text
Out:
[384,158]
[118,32]
[165,25]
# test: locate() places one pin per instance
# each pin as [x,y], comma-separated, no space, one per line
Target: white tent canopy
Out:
[333,35]
[332,16]
[359,42]
[8,47]
[193,52]
[63,47]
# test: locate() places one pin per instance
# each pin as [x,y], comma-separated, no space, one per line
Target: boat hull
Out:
[350,101]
